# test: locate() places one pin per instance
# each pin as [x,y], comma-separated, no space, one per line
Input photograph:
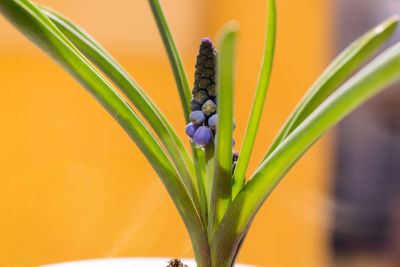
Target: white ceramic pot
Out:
[127,262]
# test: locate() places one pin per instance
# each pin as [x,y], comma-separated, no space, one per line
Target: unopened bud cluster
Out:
[202,127]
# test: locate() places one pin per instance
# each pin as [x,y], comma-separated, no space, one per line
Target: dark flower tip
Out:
[206,44]
[206,40]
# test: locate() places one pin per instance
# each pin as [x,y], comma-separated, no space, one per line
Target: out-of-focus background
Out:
[74,186]
[366,183]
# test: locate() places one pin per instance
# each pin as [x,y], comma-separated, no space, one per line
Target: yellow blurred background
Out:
[74,186]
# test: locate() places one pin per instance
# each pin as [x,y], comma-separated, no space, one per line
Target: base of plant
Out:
[127,262]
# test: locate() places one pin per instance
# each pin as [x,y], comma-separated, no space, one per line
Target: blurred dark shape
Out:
[366,227]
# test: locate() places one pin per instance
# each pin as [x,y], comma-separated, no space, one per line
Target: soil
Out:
[176,263]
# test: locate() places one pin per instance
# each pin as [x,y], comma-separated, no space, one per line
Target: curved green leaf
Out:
[104,61]
[173,55]
[258,102]
[336,73]
[221,194]
[37,27]
[184,93]
[380,73]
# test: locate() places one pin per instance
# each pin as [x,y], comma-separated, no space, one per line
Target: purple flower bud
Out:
[197,117]
[212,121]
[202,136]
[233,142]
[190,129]
[195,105]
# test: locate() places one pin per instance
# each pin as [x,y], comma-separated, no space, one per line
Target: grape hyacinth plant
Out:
[215,200]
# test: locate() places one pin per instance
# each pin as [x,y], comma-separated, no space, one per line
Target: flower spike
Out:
[204,96]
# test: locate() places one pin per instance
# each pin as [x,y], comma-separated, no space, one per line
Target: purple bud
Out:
[212,121]
[197,117]
[233,142]
[190,129]
[194,105]
[202,136]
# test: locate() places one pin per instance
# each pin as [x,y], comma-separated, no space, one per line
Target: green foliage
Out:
[336,73]
[259,100]
[216,210]
[221,194]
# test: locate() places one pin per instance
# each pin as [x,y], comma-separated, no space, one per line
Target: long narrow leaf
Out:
[336,73]
[210,166]
[258,102]
[201,174]
[173,55]
[380,73]
[104,61]
[37,27]
[221,194]
[183,89]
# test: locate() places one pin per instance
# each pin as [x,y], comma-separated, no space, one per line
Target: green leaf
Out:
[221,194]
[380,73]
[210,166]
[37,27]
[104,61]
[336,73]
[184,92]
[201,173]
[258,102]
[173,55]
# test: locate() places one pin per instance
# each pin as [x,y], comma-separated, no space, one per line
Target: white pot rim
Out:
[127,262]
